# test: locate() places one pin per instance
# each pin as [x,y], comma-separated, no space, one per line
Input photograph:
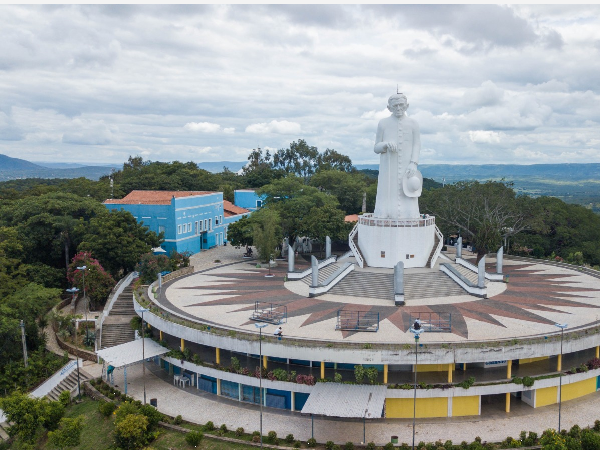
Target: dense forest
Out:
[48,228]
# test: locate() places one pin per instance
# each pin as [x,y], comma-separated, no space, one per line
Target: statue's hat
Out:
[413,186]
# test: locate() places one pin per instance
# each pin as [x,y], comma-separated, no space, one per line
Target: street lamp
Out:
[73,291]
[260,326]
[143,310]
[562,332]
[416,330]
[85,304]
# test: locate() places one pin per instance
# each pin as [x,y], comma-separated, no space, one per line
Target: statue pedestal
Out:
[385,242]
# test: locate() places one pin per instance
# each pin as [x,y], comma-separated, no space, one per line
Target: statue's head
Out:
[397,104]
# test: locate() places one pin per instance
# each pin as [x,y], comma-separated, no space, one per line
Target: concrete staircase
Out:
[436,241]
[68,384]
[3,433]
[355,241]
[324,273]
[116,329]
[468,274]
[381,285]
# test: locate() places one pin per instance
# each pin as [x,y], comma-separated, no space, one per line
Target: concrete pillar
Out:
[399,284]
[449,373]
[385,374]
[509,369]
[292,401]
[499,259]
[218,386]
[322,370]
[507,409]
[291,260]
[459,248]
[265,361]
[327,247]
[315,271]
[559,363]
[218,355]
[182,344]
[481,272]
[161,335]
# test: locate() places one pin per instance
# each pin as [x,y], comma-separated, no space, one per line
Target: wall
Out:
[402,408]
[246,198]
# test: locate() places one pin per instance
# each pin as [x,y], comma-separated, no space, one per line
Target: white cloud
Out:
[376,114]
[274,126]
[481,136]
[203,127]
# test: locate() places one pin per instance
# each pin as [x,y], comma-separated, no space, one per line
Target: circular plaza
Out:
[478,356]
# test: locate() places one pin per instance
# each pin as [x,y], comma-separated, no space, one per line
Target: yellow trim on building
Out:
[434,368]
[546,396]
[465,406]
[217,355]
[385,373]
[402,408]
[530,360]
[182,344]
[579,389]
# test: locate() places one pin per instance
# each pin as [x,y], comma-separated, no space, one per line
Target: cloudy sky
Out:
[487,84]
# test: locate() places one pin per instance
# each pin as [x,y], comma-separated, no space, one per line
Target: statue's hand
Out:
[411,170]
[390,146]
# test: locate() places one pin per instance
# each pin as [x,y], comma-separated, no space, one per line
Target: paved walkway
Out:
[199,407]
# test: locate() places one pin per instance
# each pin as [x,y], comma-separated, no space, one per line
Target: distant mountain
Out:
[62,165]
[216,167]
[15,168]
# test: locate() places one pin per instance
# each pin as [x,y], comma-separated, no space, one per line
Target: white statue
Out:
[398,143]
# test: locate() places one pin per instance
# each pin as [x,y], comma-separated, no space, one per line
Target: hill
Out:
[15,168]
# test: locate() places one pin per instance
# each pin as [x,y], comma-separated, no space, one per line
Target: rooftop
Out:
[154,197]
[229,209]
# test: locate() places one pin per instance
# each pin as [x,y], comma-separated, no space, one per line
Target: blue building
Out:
[191,221]
[248,199]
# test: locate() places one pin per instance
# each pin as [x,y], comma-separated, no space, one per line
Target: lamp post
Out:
[416,330]
[143,310]
[562,327]
[85,305]
[260,326]
[73,291]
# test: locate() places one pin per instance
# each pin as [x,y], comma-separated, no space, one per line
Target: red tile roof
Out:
[351,218]
[153,197]
[229,209]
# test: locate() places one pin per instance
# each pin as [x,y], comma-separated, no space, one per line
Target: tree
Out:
[240,232]
[117,240]
[300,159]
[26,414]
[483,212]
[324,221]
[98,283]
[266,233]
[151,265]
[130,433]
[68,433]
[332,160]
[348,188]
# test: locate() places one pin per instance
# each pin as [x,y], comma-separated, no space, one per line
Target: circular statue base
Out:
[385,242]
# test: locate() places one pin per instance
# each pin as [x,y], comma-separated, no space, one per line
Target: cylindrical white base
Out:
[384,246]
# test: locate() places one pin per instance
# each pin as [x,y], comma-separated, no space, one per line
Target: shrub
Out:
[272,437]
[256,438]
[448,445]
[289,438]
[372,374]
[348,446]
[280,374]
[193,438]
[359,374]
[336,447]
[329,445]
[388,446]
[65,398]
[107,408]
[466,384]
[124,410]
[590,440]
[528,381]
[209,426]
[297,444]
[256,433]
[130,432]
[223,428]
[593,363]
[371,446]
[575,431]
[68,433]
[53,412]
[312,442]
[337,377]
[178,420]
[239,431]
[597,425]
[152,414]
[235,364]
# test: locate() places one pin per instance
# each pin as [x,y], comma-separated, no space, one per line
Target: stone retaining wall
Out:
[83,354]
[178,273]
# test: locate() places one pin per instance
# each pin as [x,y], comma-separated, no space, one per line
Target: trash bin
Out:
[394,440]
[154,402]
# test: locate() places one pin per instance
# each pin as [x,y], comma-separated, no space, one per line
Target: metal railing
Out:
[438,250]
[433,322]
[357,320]
[269,312]
[368,219]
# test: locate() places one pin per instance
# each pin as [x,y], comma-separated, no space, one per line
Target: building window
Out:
[200,226]
[206,224]
[161,229]
[196,227]
[216,221]
[258,203]
[209,224]
[189,227]
[178,229]
[226,233]
[220,219]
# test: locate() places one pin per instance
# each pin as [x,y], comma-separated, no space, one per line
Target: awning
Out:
[131,352]
[346,400]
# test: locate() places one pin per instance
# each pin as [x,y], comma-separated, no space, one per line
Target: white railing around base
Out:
[305,273]
[354,248]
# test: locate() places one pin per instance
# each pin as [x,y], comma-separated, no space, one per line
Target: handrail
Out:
[368,219]
[462,281]
[306,272]
[113,296]
[488,276]
[331,281]
[354,248]
[438,250]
